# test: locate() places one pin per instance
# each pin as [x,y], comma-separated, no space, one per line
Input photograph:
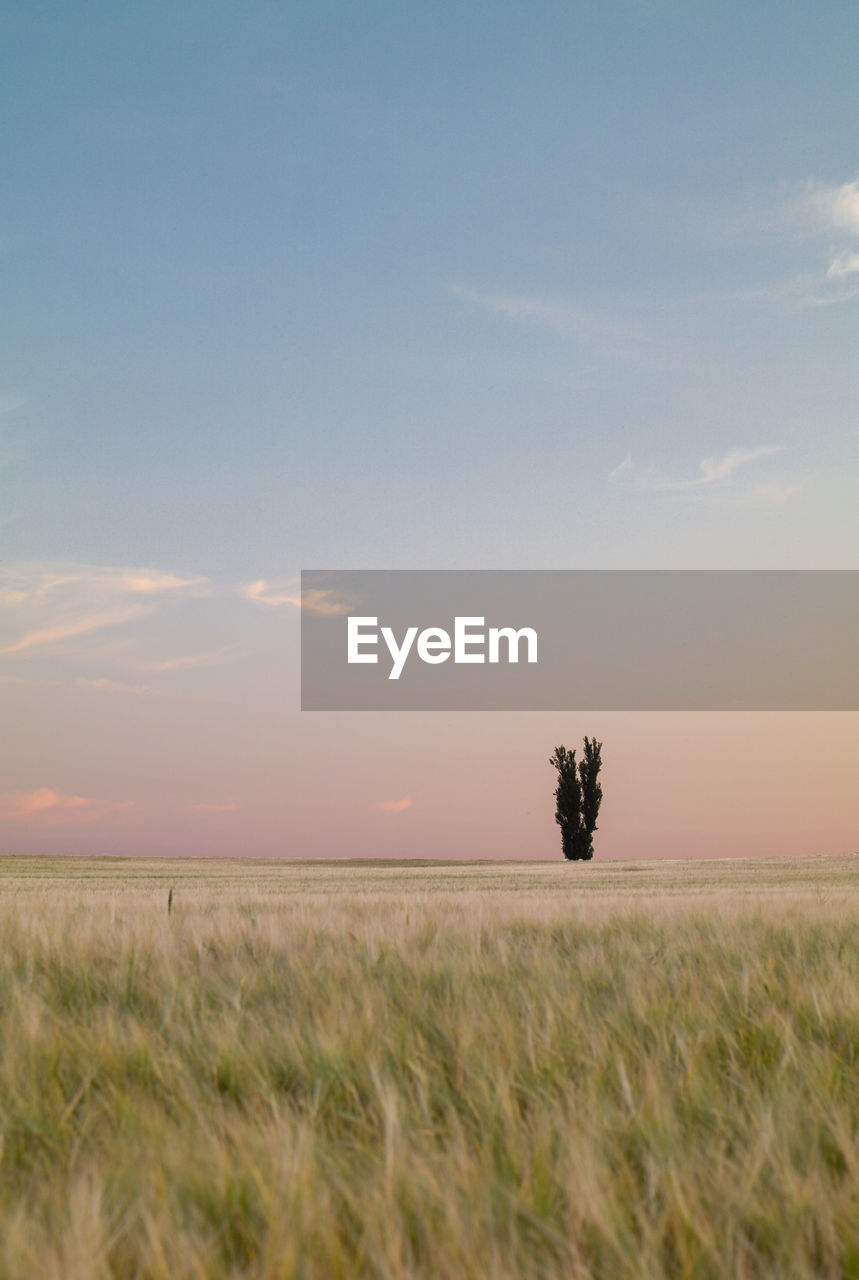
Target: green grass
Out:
[429,1071]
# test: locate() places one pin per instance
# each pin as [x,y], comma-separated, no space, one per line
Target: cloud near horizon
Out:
[46,806]
[393,806]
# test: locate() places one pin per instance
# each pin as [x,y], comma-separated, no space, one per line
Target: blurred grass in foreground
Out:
[420,1071]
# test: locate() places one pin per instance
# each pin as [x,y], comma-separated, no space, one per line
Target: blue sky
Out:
[397,285]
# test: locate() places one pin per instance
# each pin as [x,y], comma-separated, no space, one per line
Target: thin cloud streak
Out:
[49,604]
[716,469]
[52,635]
[30,581]
[105,685]
[716,477]
[613,340]
[209,658]
[48,807]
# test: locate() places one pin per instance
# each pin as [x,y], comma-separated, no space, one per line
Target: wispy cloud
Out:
[146,582]
[209,658]
[820,211]
[104,685]
[835,208]
[319,601]
[393,806]
[48,604]
[50,808]
[773,493]
[35,581]
[263,592]
[716,476]
[842,265]
[613,339]
[52,635]
[712,470]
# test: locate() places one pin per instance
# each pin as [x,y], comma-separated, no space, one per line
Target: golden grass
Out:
[511,1071]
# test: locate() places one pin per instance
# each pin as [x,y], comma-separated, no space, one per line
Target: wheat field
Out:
[424,1070]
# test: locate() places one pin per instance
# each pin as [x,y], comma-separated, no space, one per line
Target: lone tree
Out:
[578,796]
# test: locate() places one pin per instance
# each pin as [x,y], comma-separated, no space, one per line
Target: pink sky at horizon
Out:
[179,732]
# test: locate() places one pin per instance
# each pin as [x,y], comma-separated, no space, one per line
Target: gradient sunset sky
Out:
[397,285]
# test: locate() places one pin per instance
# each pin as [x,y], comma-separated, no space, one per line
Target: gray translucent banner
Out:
[579,640]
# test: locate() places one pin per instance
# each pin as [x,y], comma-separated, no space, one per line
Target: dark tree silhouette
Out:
[577,798]
[568,797]
[589,769]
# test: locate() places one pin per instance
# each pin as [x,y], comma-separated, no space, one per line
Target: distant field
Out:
[429,1070]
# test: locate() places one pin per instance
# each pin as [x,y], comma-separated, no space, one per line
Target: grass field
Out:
[507,1071]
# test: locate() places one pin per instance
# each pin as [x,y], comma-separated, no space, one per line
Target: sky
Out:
[296,286]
